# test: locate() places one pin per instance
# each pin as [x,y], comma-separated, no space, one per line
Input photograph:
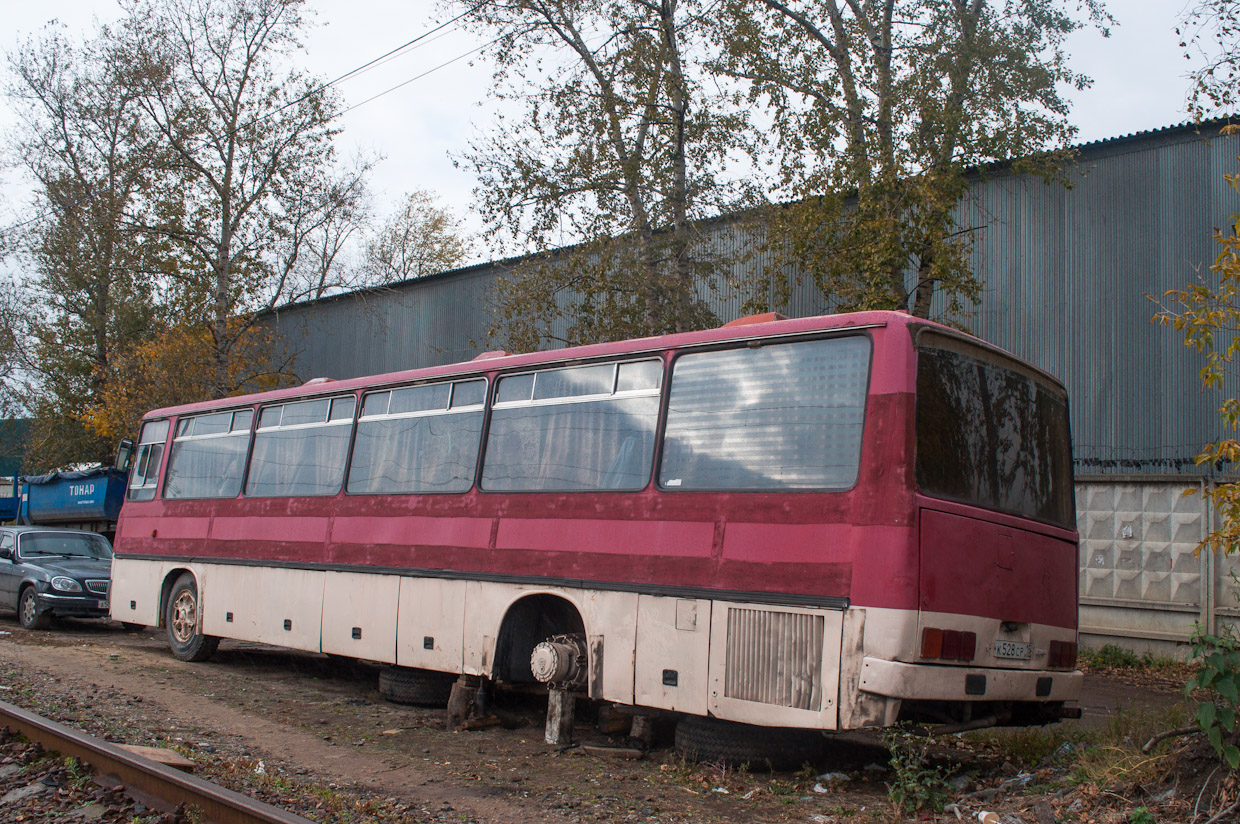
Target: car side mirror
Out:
[6,554]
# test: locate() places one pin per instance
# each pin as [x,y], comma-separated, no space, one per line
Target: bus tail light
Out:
[948,644]
[1062,654]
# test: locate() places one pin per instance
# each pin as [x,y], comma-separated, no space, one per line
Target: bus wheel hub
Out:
[560,661]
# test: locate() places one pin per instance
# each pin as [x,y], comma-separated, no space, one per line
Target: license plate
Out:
[1013,649]
[103,605]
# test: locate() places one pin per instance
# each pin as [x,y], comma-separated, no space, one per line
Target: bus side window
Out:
[144,479]
[574,428]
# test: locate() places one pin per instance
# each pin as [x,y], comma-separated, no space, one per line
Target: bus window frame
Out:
[331,398]
[146,447]
[659,356]
[761,343]
[924,337]
[175,424]
[452,381]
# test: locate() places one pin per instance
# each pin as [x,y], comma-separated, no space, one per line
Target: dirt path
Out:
[297,714]
[307,715]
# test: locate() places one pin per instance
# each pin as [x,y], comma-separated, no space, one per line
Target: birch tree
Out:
[248,137]
[83,140]
[420,238]
[615,153]
[1209,33]
[879,108]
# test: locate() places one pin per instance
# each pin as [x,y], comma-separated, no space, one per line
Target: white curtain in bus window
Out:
[418,439]
[300,448]
[144,477]
[574,428]
[783,416]
[208,455]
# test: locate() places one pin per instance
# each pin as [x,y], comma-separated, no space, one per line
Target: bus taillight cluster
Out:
[1062,654]
[948,644]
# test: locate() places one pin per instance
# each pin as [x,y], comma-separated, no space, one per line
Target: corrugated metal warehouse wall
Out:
[1067,273]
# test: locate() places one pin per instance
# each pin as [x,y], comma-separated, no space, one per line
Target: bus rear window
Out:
[992,436]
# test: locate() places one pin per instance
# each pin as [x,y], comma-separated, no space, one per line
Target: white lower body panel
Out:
[754,663]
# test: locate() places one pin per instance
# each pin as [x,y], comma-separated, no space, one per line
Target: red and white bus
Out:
[825,523]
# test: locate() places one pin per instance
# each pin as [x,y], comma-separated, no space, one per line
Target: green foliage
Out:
[1209,33]
[915,784]
[1208,316]
[1218,677]
[589,294]
[248,146]
[1111,756]
[79,773]
[1113,656]
[1110,656]
[1105,756]
[1033,746]
[618,150]
[83,139]
[1141,815]
[185,178]
[879,110]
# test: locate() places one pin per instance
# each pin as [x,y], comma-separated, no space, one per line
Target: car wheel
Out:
[181,619]
[28,614]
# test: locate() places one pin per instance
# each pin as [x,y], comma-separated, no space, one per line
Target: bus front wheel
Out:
[181,618]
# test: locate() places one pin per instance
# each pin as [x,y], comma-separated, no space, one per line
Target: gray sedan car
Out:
[46,572]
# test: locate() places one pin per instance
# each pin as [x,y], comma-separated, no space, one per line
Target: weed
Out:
[1141,815]
[1219,678]
[915,784]
[1110,656]
[1033,746]
[1115,657]
[1111,755]
[79,773]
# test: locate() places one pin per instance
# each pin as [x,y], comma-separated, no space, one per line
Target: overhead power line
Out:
[389,55]
[404,83]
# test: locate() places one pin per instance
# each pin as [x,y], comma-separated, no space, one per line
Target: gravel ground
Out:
[40,787]
[311,734]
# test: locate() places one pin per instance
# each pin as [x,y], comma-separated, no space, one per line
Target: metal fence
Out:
[1143,584]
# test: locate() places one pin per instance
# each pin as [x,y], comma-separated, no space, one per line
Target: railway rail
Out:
[145,779]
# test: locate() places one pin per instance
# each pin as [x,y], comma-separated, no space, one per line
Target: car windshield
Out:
[63,545]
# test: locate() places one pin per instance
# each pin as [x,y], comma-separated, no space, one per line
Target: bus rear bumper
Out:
[930,682]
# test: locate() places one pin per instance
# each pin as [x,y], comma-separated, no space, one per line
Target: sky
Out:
[1139,84]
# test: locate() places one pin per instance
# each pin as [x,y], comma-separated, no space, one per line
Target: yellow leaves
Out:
[178,366]
[1209,318]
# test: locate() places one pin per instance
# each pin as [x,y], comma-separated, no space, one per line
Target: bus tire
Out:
[419,687]
[181,620]
[28,614]
[712,741]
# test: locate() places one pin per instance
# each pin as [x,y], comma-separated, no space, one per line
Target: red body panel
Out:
[859,544]
[996,568]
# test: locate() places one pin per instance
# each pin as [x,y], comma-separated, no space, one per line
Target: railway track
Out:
[145,779]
